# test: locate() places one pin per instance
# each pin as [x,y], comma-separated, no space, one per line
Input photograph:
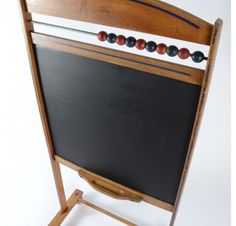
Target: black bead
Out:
[197,57]
[111,38]
[130,42]
[172,51]
[151,46]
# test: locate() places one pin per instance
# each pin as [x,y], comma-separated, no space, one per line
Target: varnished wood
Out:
[154,17]
[202,102]
[91,205]
[106,187]
[61,215]
[114,186]
[158,67]
[76,198]
[38,91]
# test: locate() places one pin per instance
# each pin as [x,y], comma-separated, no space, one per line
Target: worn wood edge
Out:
[201,107]
[61,215]
[28,16]
[116,14]
[145,198]
[156,67]
[38,91]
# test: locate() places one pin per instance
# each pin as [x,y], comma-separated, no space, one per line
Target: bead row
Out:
[151,46]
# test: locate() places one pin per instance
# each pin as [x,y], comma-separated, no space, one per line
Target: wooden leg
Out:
[173,217]
[59,184]
[61,215]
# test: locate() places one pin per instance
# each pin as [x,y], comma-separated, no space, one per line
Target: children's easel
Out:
[136,140]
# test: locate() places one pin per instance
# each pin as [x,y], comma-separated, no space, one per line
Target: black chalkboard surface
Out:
[127,125]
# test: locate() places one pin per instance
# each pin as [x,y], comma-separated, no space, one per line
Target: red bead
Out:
[140,44]
[161,48]
[102,36]
[183,53]
[120,40]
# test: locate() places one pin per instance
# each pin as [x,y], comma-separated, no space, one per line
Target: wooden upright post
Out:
[202,102]
[26,16]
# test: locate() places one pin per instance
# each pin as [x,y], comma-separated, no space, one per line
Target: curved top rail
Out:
[154,17]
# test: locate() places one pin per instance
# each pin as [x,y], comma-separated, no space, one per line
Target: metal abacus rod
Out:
[63,27]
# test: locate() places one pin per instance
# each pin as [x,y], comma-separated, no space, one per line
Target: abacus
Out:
[151,46]
[127,124]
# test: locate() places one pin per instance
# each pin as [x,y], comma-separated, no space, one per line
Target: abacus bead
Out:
[120,40]
[183,53]
[172,51]
[111,38]
[140,44]
[197,57]
[102,36]
[161,48]
[130,42]
[151,46]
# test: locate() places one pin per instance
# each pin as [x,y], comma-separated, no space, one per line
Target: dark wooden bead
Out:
[102,36]
[120,40]
[111,38]
[197,57]
[140,44]
[130,42]
[172,51]
[161,48]
[151,46]
[183,53]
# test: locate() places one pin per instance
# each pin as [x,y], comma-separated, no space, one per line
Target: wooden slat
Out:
[157,67]
[154,17]
[101,210]
[76,198]
[201,106]
[145,198]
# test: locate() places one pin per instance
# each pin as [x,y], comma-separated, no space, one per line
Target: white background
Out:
[27,191]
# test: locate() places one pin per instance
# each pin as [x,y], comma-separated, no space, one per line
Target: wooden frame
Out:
[178,24]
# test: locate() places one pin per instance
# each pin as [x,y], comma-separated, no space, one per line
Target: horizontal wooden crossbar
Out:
[91,205]
[76,198]
[146,64]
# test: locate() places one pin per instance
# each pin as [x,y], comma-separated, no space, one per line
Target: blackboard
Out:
[127,125]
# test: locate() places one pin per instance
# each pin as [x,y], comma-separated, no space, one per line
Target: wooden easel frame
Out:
[190,28]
